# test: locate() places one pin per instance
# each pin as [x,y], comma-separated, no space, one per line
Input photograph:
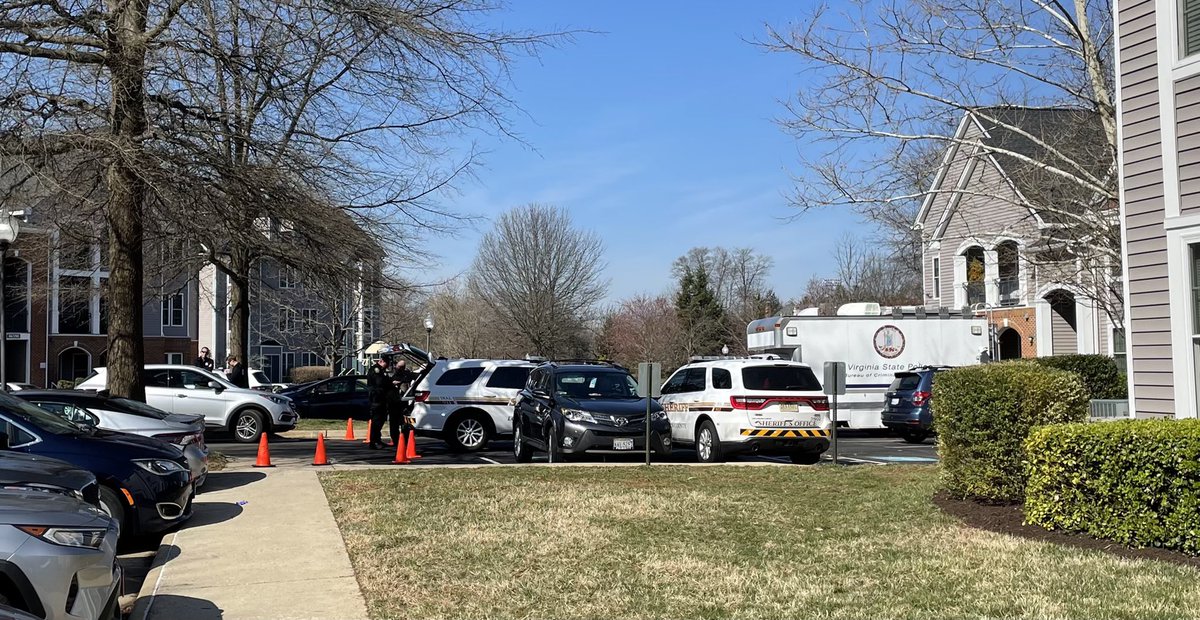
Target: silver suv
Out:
[176,388]
[57,557]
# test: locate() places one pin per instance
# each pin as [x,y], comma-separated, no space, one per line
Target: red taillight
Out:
[755,403]
[920,398]
[421,396]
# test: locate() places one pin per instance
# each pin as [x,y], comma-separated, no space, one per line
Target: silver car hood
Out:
[49,509]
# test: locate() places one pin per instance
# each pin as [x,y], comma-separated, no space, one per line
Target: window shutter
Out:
[1191,26]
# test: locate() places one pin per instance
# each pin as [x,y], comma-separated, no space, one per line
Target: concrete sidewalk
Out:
[262,544]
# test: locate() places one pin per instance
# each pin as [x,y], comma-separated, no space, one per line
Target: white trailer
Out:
[875,343]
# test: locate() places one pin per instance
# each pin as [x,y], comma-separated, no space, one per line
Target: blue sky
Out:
[658,133]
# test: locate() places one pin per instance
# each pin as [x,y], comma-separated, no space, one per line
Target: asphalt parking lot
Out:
[855,447]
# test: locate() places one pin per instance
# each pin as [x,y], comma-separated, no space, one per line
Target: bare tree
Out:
[738,278]
[862,274]
[74,81]
[892,81]
[541,276]
[296,110]
[644,328]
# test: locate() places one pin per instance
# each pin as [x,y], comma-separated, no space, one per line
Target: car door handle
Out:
[181,396]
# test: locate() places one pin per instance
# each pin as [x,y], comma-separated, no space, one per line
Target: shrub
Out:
[304,374]
[1136,482]
[983,414]
[1099,373]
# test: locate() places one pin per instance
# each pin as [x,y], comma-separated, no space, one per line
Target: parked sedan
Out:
[185,431]
[332,399]
[58,557]
[145,484]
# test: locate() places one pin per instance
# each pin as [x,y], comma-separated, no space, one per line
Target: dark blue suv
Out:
[906,411]
[145,484]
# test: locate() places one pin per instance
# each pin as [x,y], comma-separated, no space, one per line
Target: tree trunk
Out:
[127,193]
[239,305]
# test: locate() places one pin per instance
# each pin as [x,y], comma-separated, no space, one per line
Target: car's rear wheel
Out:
[111,504]
[554,445]
[915,436]
[708,444]
[520,451]
[247,426]
[805,457]
[468,432]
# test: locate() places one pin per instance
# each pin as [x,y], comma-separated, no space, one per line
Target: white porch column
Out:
[1045,338]
[1085,326]
[991,275]
[960,279]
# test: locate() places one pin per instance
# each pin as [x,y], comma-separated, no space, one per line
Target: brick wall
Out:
[1024,321]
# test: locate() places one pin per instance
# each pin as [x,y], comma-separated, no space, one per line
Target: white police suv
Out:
[467,403]
[728,406]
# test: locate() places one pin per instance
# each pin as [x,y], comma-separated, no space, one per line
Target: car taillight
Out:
[755,403]
[179,439]
[421,396]
[920,398]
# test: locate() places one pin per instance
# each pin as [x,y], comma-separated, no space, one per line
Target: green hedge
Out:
[1136,482]
[1099,373]
[983,414]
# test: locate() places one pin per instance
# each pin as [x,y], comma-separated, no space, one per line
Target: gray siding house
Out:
[1158,104]
[988,224]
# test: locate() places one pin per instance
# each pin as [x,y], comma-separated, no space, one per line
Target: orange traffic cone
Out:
[368,439]
[264,453]
[401,453]
[349,429]
[411,454]
[320,458]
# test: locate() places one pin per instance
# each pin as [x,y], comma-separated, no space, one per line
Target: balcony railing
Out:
[1009,291]
[976,293]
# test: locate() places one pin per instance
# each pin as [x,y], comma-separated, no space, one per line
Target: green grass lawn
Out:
[319,424]
[714,542]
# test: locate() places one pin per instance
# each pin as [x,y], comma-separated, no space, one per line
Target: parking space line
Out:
[486,459]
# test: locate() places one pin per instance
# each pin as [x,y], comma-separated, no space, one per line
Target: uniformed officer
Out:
[398,409]
[379,385]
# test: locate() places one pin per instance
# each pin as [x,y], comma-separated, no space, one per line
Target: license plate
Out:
[789,407]
[623,444]
[895,401]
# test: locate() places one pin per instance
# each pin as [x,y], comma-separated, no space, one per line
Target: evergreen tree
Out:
[700,314]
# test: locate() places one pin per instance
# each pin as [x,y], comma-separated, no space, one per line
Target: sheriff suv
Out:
[726,406]
[468,403]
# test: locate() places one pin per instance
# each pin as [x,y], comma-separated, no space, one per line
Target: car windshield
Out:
[260,378]
[138,408]
[595,384]
[40,418]
[780,379]
[905,381]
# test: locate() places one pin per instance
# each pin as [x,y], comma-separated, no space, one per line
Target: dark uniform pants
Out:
[398,412]
[379,416]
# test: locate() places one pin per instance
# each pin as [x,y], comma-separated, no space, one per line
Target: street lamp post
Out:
[10,226]
[428,332]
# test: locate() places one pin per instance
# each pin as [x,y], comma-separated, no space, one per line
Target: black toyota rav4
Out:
[576,407]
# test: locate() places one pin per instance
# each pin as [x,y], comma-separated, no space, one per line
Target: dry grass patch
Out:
[714,542]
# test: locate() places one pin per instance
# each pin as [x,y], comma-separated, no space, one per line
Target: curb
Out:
[330,434]
[167,551]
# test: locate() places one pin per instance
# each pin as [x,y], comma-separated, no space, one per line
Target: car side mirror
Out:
[217,388]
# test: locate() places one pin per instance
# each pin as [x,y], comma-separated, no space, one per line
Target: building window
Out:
[175,358]
[308,358]
[74,305]
[289,362]
[287,277]
[1189,27]
[1119,353]
[310,319]
[937,277]
[172,310]
[287,320]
